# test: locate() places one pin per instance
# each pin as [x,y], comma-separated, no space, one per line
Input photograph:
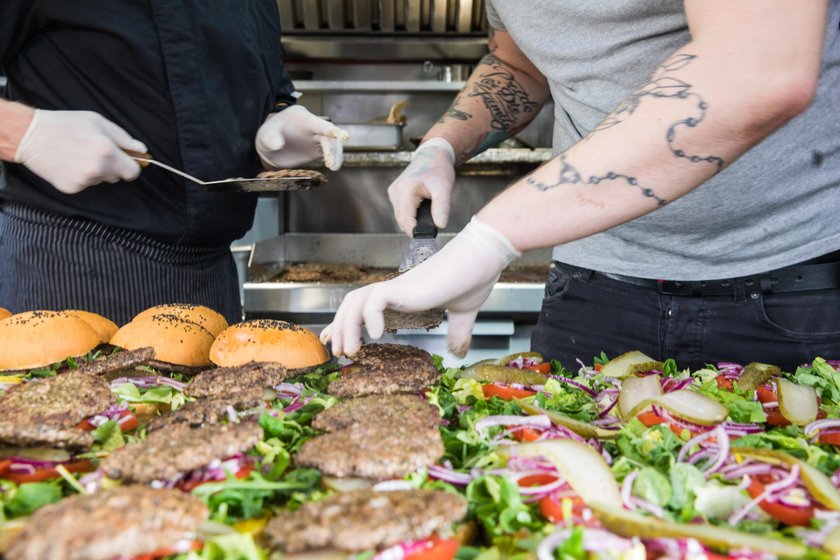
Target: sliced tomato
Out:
[830,438]
[170,551]
[650,418]
[598,367]
[190,485]
[504,392]
[439,549]
[543,367]
[785,514]
[536,480]
[552,509]
[775,417]
[766,394]
[526,434]
[725,383]
[40,475]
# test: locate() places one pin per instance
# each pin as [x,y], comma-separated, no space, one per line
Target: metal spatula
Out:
[422,246]
[290,180]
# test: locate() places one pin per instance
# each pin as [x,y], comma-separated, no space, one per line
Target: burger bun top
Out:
[104,328]
[268,340]
[175,340]
[35,339]
[199,314]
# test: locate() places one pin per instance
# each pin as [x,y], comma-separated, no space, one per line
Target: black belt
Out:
[797,278]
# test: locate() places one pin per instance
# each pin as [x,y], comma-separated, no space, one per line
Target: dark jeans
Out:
[585,313]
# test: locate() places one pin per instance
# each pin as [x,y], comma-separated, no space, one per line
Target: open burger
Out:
[45,423]
[417,524]
[131,522]
[385,369]
[269,341]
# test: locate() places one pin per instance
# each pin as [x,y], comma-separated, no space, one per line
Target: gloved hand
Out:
[296,136]
[76,149]
[458,278]
[431,174]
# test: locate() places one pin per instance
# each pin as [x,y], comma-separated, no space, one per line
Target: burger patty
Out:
[209,411]
[227,380]
[119,361]
[121,523]
[374,452]
[46,411]
[386,369]
[385,410]
[169,453]
[364,520]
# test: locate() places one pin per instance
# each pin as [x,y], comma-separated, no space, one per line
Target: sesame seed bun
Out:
[103,327]
[267,340]
[40,338]
[175,340]
[4,313]
[199,314]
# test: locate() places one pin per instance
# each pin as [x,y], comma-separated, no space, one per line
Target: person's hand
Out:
[458,278]
[431,174]
[295,136]
[73,150]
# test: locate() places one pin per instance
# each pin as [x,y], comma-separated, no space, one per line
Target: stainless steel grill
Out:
[400,17]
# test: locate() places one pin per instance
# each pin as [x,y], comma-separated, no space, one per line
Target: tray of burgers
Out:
[178,436]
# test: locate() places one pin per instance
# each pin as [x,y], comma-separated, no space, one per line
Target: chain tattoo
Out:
[569,175]
[660,85]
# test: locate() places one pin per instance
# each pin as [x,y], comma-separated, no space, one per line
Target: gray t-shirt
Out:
[776,205]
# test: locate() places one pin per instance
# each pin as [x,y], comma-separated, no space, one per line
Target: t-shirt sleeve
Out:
[17,23]
[493,17]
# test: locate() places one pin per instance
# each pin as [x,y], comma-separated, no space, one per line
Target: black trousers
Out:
[54,262]
[586,312]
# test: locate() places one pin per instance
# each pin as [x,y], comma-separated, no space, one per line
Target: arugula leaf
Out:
[496,503]
[684,479]
[822,377]
[652,486]
[108,435]
[740,404]
[28,497]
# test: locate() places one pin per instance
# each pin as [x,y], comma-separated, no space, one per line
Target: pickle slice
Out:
[755,374]
[688,405]
[630,363]
[582,429]
[489,373]
[797,403]
[630,524]
[635,390]
[581,466]
[534,356]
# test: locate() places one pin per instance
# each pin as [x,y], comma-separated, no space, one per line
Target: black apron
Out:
[55,262]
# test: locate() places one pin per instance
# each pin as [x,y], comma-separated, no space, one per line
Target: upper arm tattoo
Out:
[503,96]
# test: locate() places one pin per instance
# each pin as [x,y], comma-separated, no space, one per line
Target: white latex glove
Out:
[431,174]
[458,278]
[76,149]
[295,136]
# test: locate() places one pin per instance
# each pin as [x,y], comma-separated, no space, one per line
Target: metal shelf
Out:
[378,86]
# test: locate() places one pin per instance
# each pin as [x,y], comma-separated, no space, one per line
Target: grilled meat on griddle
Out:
[364,520]
[120,523]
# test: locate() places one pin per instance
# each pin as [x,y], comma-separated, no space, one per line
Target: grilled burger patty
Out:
[386,369]
[385,410]
[209,411]
[47,411]
[121,523]
[119,361]
[364,520]
[178,449]
[372,451]
[224,381]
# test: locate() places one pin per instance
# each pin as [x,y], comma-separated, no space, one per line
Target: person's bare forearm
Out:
[703,108]
[498,100]
[14,120]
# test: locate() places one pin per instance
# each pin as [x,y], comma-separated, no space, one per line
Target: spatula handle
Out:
[425,228]
[144,155]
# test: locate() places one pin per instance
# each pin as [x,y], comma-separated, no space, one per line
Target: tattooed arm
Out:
[504,93]
[750,66]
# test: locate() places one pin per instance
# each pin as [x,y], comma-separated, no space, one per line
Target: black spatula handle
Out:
[425,228]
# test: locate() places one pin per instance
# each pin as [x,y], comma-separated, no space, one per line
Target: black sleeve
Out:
[286,94]
[17,23]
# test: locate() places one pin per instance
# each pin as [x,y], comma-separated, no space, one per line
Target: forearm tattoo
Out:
[569,175]
[455,113]
[503,97]
[663,84]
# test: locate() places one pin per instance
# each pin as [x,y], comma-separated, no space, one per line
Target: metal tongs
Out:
[306,180]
